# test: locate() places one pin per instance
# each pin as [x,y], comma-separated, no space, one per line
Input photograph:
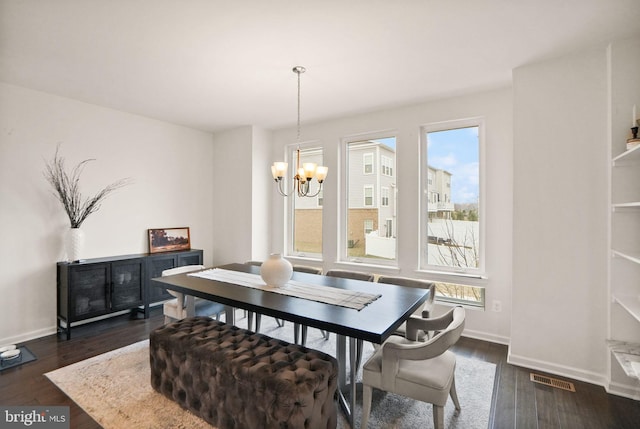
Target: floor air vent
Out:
[553,382]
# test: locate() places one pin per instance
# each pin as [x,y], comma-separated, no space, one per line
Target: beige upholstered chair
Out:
[354,275]
[186,305]
[425,311]
[344,274]
[297,328]
[424,371]
[308,270]
[280,322]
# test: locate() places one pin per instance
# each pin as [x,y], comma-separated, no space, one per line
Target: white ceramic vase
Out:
[276,271]
[74,243]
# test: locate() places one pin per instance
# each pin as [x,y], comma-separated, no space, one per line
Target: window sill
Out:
[451,276]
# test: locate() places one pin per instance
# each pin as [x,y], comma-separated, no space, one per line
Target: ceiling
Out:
[215,65]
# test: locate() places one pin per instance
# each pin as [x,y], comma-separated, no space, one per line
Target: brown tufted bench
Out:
[234,378]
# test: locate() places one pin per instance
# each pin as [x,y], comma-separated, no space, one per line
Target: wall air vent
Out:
[553,382]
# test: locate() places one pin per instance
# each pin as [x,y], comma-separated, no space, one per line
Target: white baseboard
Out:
[27,336]
[560,370]
[631,391]
[478,335]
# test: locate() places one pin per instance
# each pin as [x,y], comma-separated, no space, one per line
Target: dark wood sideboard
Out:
[100,287]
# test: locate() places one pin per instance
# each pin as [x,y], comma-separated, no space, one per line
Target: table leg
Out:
[347,408]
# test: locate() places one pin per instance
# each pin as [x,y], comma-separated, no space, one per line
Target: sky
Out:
[457,151]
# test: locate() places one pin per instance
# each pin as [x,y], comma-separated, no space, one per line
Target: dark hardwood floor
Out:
[517,402]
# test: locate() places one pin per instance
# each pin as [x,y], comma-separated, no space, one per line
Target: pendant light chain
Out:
[298,71]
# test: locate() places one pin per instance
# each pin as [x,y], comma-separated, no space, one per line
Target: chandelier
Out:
[303,174]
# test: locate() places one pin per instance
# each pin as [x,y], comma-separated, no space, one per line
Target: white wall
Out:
[170,166]
[496,108]
[560,216]
[241,195]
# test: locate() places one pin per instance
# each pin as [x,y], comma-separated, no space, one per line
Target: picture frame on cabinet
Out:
[169,239]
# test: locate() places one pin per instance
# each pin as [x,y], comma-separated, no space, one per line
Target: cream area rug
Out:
[115,390]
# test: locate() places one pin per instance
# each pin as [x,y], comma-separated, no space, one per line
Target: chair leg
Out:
[305,328]
[249,320]
[359,347]
[258,321]
[280,323]
[438,417]
[296,333]
[454,394]
[366,405]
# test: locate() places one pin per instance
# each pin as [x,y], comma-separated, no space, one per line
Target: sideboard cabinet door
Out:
[127,279]
[159,262]
[89,291]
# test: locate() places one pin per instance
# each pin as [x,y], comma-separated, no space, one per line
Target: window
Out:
[388,228]
[384,197]
[368,234]
[368,196]
[386,164]
[367,162]
[305,228]
[451,241]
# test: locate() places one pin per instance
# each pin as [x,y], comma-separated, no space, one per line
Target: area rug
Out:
[114,389]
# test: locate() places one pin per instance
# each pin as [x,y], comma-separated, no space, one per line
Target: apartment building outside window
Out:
[369,233]
[451,239]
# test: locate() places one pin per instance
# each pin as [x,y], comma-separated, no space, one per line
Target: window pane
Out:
[371,213]
[453,198]
[458,293]
[307,213]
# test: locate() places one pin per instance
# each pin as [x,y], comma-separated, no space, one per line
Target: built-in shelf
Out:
[632,154]
[631,303]
[631,256]
[625,353]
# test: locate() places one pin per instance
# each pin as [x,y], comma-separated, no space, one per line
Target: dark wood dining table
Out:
[374,323]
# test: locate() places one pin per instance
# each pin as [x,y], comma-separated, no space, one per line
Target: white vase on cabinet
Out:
[74,244]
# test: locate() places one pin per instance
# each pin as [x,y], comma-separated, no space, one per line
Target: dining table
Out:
[389,306]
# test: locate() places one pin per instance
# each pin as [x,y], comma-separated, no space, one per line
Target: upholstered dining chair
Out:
[424,311]
[297,327]
[421,370]
[344,274]
[186,305]
[280,322]
[354,275]
[306,269]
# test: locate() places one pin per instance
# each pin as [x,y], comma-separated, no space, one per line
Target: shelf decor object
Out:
[169,239]
[66,188]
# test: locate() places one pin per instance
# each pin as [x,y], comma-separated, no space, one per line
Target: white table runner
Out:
[325,294]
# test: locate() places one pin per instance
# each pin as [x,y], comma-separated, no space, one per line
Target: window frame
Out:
[290,158]
[464,272]
[385,195]
[366,188]
[365,164]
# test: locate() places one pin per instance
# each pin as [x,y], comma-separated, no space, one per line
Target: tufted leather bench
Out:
[234,378]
